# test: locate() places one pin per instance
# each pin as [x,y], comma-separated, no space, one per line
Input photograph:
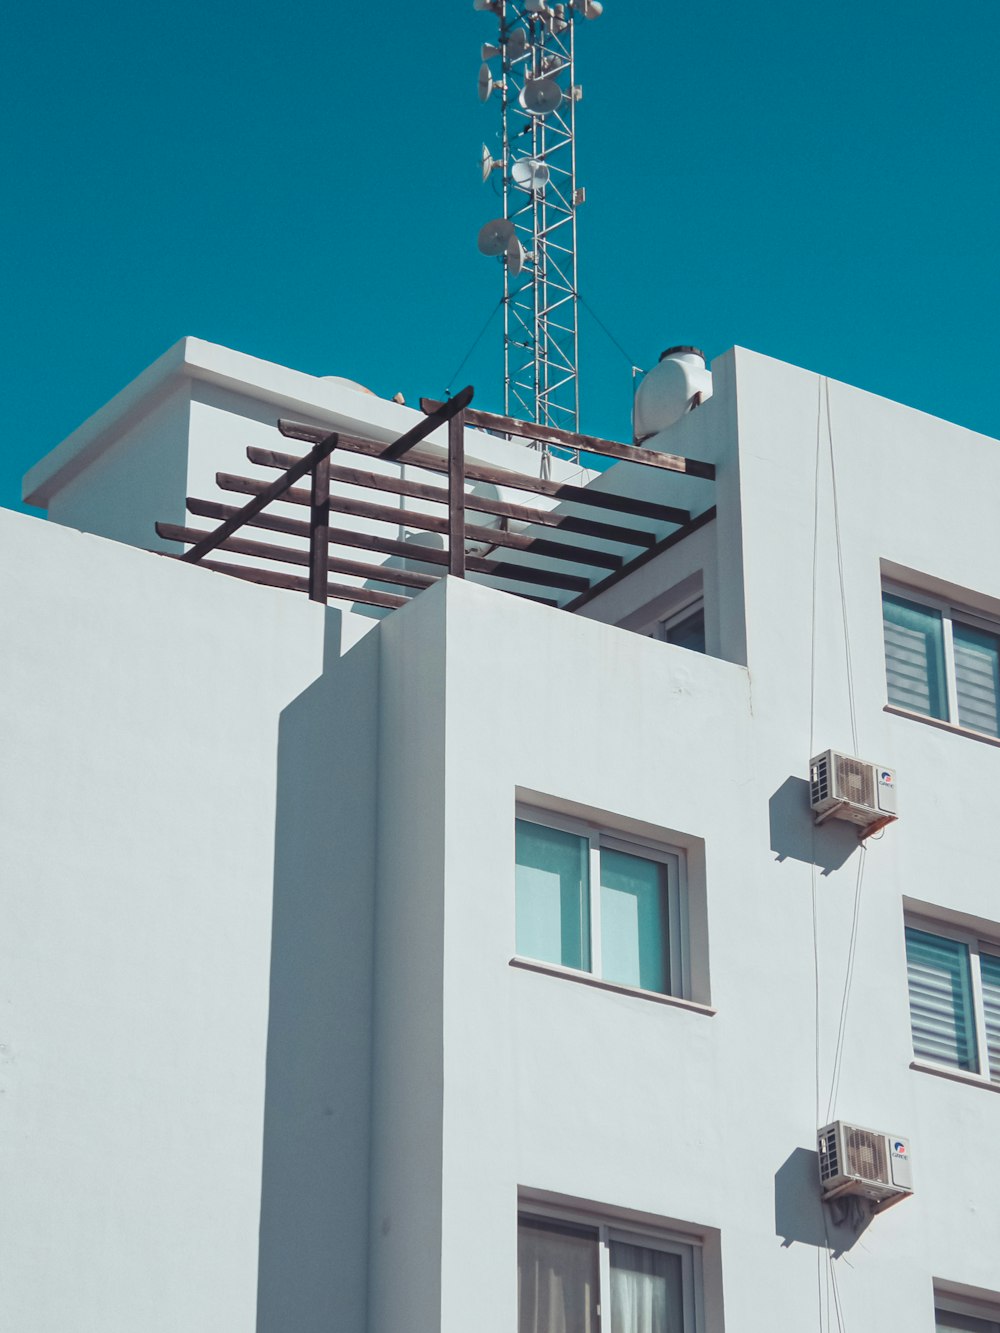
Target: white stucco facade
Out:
[268,1057]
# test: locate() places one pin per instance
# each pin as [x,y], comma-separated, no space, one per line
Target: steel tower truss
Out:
[540,199]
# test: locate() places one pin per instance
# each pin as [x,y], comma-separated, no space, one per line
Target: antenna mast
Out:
[536,237]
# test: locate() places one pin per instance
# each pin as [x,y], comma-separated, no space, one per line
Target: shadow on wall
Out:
[795,835]
[800,1216]
[312,1268]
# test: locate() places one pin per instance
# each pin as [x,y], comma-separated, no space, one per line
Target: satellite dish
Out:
[486,84]
[495,236]
[534,6]
[491,5]
[515,256]
[488,164]
[538,96]
[528,173]
[490,51]
[590,9]
[517,44]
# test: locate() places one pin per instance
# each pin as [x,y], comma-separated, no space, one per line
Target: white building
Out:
[296,1018]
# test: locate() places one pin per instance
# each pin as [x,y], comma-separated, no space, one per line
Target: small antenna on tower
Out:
[536,237]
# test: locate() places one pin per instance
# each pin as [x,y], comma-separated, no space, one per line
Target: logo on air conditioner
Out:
[886,777]
[899,1149]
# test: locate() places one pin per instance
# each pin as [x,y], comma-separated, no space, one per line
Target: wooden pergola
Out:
[619,521]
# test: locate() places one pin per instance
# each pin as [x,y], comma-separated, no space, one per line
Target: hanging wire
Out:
[840,570]
[600,322]
[475,343]
[852,949]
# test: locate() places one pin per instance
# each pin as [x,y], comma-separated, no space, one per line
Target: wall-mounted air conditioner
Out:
[864,1163]
[842,787]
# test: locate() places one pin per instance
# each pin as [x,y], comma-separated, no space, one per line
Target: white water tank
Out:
[676,384]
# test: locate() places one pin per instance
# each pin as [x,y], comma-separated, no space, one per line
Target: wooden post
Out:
[456,495]
[319,531]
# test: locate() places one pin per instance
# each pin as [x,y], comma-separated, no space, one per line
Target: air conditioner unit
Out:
[842,787]
[865,1163]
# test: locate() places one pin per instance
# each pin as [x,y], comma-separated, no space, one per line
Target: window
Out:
[954,982]
[947,1320]
[965,1314]
[578,1278]
[595,903]
[685,628]
[941,661]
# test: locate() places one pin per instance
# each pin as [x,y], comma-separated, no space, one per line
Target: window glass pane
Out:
[966,1323]
[552,904]
[646,1295]
[977,677]
[941,1000]
[557,1279]
[914,656]
[634,921]
[989,966]
[689,632]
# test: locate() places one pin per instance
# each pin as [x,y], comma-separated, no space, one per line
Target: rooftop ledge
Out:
[528,511]
[189,359]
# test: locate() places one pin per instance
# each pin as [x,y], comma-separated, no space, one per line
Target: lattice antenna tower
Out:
[536,236]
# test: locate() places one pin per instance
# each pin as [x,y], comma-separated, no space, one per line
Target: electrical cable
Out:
[475,343]
[812,866]
[600,322]
[838,1056]
[840,571]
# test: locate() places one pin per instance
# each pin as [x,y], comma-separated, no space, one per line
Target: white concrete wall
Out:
[561,1089]
[156,711]
[187,807]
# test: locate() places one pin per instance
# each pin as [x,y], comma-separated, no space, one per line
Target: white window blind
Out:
[942,662]
[989,967]
[977,678]
[914,656]
[941,1009]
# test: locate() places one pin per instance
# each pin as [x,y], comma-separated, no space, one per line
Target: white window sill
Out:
[587,979]
[941,724]
[956,1075]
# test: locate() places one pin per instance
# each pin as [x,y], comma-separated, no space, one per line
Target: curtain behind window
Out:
[557,1278]
[646,1294]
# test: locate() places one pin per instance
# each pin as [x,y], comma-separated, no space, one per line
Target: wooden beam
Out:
[549,518]
[456,495]
[291,555]
[341,504]
[641,560]
[319,530]
[531,574]
[592,444]
[437,416]
[499,476]
[264,498]
[274,578]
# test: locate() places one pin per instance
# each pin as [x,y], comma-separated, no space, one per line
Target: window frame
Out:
[598,836]
[688,1247]
[951,612]
[661,627]
[985,1307]
[977,942]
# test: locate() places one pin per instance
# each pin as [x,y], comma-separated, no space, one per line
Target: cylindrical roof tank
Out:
[678,382]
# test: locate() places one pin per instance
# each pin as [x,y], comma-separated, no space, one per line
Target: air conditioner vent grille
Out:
[855,781]
[829,1162]
[866,1155]
[820,786]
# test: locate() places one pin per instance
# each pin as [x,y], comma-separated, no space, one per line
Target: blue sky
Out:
[302,183]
